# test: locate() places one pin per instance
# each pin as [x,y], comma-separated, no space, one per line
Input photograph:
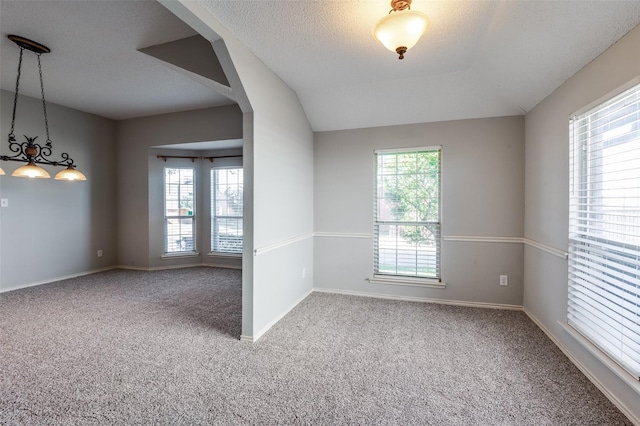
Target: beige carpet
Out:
[125,347]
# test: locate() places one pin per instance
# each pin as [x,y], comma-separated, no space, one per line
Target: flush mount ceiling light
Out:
[30,152]
[401,29]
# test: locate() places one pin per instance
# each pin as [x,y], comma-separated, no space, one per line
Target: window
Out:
[604,227]
[226,210]
[407,213]
[179,214]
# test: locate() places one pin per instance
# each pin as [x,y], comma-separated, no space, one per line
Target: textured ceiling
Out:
[94,65]
[479,59]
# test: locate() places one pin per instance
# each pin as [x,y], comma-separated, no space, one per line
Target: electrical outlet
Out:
[4,202]
[304,273]
[504,280]
[99,253]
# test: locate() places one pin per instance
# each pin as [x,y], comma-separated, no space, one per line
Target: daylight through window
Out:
[226,210]
[407,213]
[604,227]
[179,213]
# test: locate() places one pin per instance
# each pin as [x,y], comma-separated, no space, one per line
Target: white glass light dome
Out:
[400,30]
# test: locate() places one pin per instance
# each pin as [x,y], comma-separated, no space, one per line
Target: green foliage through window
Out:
[407,213]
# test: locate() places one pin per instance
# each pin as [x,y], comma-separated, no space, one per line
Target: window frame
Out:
[413,279]
[594,266]
[167,218]
[213,212]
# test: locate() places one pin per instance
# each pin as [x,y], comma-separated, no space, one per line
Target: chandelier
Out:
[401,29]
[29,151]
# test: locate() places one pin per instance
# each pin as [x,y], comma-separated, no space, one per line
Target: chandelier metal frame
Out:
[29,151]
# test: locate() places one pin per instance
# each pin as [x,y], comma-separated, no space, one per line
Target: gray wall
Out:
[53,229]
[482,196]
[281,147]
[138,223]
[278,166]
[547,202]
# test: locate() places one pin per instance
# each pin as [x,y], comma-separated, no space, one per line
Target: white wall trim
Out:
[621,406]
[341,235]
[223,254]
[280,244]
[162,268]
[52,280]
[109,268]
[146,268]
[179,255]
[254,338]
[595,351]
[420,299]
[532,243]
[548,249]
[259,334]
[406,281]
[465,239]
[476,239]
[222,265]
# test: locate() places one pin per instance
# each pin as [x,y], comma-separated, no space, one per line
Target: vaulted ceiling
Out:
[479,58]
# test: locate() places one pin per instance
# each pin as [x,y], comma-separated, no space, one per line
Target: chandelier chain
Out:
[15,99]
[44,104]
[30,152]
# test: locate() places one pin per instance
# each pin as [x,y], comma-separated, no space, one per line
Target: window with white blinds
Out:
[407,213]
[179,210]
[226,210]
[604,227]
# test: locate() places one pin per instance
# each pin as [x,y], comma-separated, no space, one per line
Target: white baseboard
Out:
[52,280]
[221,265]
[254,338]
[132,268]
[619,404]
[420,299]
[259,334]
[162,268]
[109,268]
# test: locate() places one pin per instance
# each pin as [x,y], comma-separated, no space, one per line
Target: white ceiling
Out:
[479,59]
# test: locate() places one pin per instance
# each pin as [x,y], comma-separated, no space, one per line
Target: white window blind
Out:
[179,210]
[226,210]
[407,213]
[604,227]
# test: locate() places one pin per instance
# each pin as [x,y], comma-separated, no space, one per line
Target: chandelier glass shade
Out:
[70,174]
[29,151]
[31,170]
[401,29]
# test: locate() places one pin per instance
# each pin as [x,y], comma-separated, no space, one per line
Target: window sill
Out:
[180,254]
[602,357]
[224,254]
[407,281]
